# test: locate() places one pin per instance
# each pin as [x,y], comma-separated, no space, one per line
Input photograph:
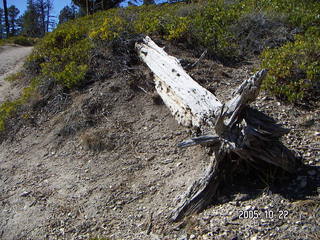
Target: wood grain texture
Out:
[237,129]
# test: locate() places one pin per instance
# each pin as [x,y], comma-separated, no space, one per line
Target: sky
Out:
[22,5]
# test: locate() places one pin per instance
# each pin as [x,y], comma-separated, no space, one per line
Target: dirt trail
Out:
[11,60]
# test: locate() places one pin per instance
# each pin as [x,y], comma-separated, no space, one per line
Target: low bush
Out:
[257,31]
[20,40]
[15,77]
[9,108]
[294,68]
[227,29]
[24,41]
[62,55]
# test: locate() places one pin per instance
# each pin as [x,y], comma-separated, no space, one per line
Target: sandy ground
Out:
[11,60]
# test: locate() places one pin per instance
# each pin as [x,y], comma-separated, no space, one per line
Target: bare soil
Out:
[103,162]
[11,61]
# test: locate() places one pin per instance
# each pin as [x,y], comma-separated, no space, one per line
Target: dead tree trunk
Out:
[238,129]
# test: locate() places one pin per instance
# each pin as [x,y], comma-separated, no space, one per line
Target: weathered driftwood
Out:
[237,129]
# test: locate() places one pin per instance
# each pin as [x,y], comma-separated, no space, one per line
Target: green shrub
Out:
[210,28]
[9,108]
[6,111]
[15,77]
[24,41]
[294,69]
[20,40]
[63,55]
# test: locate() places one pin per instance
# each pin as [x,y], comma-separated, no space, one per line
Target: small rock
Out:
[254,237]
[312,172]
[247,208]
[25,193]
[192,236]
[184,237]
[308,154]
[167,161]
[151,158]
[242,197]
[303,183]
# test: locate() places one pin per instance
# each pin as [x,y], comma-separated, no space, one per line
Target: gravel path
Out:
[11,60]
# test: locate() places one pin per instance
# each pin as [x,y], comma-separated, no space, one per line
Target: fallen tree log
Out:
[238,130]
[190,104]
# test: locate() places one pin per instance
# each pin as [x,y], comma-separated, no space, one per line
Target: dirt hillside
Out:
[103,162]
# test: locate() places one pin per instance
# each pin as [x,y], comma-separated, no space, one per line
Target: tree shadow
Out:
[251,183]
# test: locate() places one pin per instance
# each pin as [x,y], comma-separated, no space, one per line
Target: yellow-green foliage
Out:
[211,27]
[294,69]
[20,40]
[64,54]
[113,25]
[203,26]
[8,108]
[298,13]
[14,77]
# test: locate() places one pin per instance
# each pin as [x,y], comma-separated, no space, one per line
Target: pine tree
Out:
[148,2]
[31,25]
[6,17]
[1,23]
[66,14]
[41,7]
[91,6]
[13,13]
[49,7]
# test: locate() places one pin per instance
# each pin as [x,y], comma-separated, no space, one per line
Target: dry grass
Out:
[96,141]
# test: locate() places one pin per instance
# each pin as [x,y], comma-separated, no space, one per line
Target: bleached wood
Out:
[237,129]
[190,103]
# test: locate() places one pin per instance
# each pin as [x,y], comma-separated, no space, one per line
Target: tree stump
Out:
[238,129]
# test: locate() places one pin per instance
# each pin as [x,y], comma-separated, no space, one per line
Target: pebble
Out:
[254,237]
[247,208]
[167,161]
[184,237]
[308,154]
[312,172]
[303,183]
[25,193]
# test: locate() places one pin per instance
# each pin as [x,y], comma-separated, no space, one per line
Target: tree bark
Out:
[5,8]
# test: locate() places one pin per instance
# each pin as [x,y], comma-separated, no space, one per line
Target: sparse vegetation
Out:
[15,77]
[8,108]
[20,40]
[229,31]
[294,68]
[64,53]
